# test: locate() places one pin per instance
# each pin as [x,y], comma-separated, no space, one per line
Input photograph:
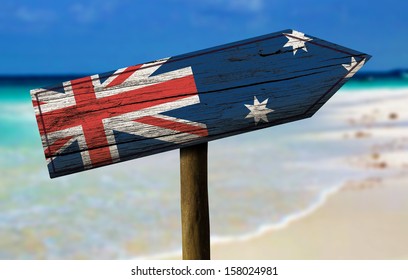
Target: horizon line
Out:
[83,74]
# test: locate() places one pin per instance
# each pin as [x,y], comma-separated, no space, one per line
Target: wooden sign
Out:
[188,99]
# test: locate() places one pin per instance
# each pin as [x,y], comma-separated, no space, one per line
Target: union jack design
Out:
[93,110]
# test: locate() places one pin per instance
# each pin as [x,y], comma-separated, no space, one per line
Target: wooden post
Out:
[195,219]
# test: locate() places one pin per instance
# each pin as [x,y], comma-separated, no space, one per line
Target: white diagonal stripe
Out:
[173,119]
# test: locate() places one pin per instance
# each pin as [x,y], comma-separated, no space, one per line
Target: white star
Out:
[353,67]
[258,111]
[297,40]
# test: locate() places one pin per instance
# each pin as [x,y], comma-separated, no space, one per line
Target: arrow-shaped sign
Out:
[188,99]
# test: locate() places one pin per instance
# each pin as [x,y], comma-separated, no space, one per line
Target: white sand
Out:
[364,220]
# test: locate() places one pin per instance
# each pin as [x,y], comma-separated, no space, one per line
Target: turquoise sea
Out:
[131,209]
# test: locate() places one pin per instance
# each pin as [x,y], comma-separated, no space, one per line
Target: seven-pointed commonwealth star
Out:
[258,110]
[297,40]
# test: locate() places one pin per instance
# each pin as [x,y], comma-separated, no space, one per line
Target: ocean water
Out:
[132,209]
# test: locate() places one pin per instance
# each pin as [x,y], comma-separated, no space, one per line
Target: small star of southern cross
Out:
[297,40]
[258,111]
[353,67]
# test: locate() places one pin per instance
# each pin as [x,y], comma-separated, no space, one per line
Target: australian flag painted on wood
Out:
[188,99]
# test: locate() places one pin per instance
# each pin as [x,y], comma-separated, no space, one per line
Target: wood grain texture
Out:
[188,99]
[194,202]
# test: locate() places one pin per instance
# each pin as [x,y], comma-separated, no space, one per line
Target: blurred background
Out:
[256,181]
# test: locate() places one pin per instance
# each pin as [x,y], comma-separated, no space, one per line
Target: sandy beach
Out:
[367,219]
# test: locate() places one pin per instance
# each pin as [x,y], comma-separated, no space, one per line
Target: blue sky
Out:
[56,37]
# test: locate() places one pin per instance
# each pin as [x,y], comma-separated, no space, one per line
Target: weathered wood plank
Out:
[195,218]
[188,99]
